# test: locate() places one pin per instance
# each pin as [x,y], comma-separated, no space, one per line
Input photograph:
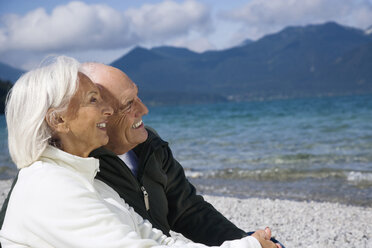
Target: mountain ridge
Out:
[10,73]
[311,60]
[296,59]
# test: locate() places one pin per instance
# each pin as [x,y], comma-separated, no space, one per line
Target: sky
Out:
[103,31]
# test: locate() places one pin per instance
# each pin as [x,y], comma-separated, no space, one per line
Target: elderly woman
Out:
[56,117]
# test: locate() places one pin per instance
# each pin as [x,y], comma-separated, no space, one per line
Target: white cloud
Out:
[79,26]
[72,26]
[261,16]
[169,19]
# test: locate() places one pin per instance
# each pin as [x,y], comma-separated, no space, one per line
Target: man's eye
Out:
[93,100]
[127,107]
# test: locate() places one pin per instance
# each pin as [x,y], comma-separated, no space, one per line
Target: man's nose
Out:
[141,108]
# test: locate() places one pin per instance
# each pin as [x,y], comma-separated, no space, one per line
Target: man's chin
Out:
[134,138]
[144,135]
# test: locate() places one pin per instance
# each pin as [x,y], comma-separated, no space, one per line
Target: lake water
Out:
[302,149]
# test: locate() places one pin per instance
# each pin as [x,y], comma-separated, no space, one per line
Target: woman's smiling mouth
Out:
[101,125]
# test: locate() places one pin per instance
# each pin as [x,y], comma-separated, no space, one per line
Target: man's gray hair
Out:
[52,85]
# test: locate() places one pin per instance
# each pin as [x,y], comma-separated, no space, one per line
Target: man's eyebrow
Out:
[131,99]
[127,102]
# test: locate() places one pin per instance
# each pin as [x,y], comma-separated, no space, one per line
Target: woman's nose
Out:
[107,109]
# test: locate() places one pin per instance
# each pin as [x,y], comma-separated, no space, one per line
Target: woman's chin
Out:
[102,142]
[105,141]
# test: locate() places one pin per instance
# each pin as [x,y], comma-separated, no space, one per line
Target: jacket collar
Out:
[87,167]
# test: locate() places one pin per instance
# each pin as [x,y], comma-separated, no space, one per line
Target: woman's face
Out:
[86,119]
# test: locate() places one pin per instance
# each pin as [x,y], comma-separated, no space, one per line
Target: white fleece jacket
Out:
[56,202]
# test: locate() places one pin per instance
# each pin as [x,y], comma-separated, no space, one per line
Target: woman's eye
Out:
[93,100]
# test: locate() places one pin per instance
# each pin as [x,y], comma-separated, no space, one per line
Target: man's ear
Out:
[56,121]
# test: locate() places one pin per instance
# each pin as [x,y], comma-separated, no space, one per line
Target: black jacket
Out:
[172,201]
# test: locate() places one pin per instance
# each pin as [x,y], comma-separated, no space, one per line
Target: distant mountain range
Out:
[10,73]
[325,59]
[298,61]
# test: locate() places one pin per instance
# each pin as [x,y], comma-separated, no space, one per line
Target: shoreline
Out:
[297,190]
[294,223]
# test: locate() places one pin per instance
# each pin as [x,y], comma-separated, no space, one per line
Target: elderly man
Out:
[140,166]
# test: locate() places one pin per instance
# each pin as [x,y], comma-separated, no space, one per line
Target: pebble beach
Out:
[295,224]
[301,224]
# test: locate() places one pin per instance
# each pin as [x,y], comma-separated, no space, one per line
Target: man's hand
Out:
[263,236]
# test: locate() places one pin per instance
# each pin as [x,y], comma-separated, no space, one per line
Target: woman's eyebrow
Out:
[92,92]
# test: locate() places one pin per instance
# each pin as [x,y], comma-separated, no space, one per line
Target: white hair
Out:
[49,86]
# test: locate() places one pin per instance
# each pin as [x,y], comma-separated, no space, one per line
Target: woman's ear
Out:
[56,121]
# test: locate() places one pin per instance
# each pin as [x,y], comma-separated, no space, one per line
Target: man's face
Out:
[125,127]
